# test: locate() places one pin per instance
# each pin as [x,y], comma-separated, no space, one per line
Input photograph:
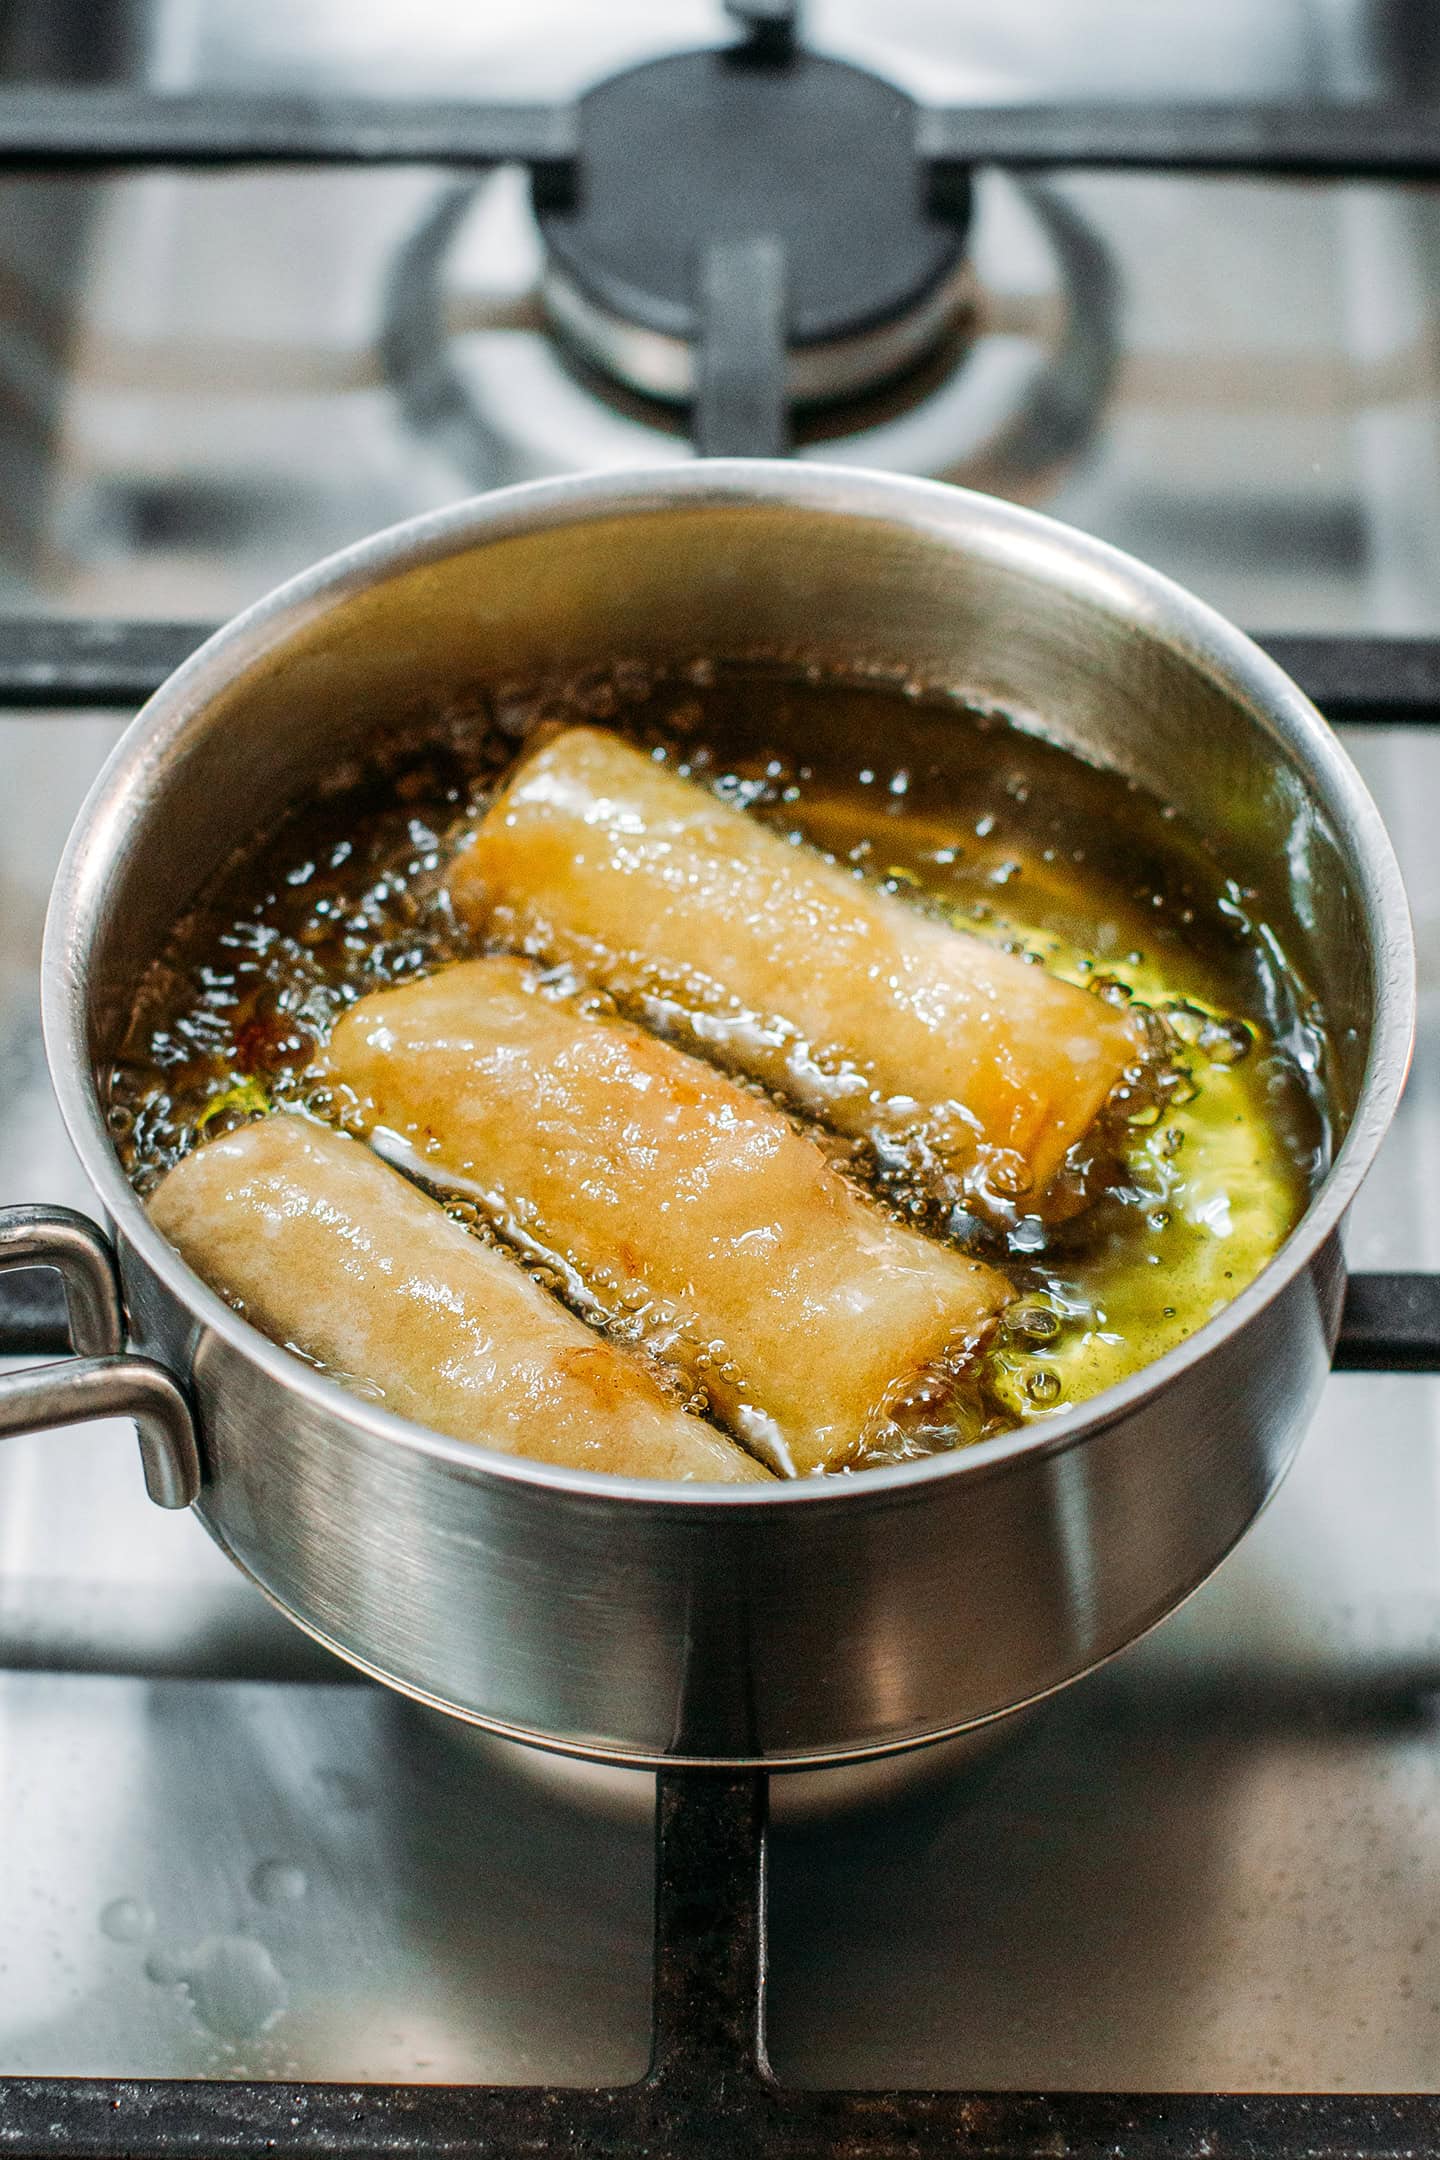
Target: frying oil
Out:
[1212,1146]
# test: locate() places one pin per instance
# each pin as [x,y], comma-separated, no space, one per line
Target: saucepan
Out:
[819,1621]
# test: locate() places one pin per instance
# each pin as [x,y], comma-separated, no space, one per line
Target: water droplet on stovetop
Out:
[231,1980]
[126,1920]
[278,1882]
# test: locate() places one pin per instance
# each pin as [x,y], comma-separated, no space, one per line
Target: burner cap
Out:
[708,146]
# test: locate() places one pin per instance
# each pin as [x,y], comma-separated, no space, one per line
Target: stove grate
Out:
[741,277]
[709,2090]
[63,129]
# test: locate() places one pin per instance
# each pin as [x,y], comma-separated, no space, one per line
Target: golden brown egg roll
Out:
[797,1304]
[878,1019]
[334,1254]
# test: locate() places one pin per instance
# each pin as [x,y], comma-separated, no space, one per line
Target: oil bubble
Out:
[1036,1323]
[1225,1042]
[1009,1175]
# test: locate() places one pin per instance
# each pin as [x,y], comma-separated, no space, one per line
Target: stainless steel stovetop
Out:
[1213,1865]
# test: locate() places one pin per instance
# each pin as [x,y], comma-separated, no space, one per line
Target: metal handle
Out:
[102,1380]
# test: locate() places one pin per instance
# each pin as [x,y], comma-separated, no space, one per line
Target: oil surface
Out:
[1013,840]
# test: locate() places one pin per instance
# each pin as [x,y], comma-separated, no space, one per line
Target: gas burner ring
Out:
[1005,403]
[657,365]
[812,154]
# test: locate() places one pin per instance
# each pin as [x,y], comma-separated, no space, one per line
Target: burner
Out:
[1006,401]
[712,146]
[968,333]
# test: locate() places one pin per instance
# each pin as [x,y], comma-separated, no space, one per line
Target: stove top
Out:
[1204,1869]
[1234,379]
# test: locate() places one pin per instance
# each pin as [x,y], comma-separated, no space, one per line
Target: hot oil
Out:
[1003,834]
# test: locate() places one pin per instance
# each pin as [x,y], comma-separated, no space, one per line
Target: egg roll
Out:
[673,1193]
[951,1056]
[333,1253]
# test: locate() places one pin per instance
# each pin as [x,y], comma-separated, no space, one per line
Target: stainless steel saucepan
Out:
[651,1623]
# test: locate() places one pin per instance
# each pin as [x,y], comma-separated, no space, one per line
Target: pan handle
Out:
[102,1380]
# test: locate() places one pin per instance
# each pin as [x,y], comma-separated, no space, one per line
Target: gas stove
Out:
[275,276]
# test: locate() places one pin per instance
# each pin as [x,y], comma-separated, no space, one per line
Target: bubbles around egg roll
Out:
[799,1306]
[882,1021]
[331,1252]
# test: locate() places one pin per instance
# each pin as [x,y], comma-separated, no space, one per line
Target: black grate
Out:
[709,2089]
